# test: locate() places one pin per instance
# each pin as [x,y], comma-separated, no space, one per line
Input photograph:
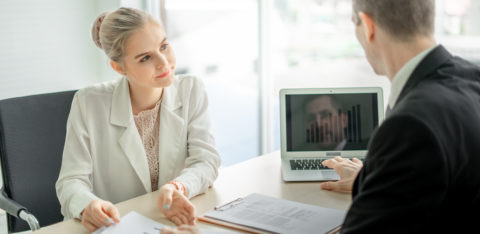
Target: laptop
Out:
[319,124]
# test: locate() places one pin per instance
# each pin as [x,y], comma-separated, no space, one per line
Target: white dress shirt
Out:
[401,78]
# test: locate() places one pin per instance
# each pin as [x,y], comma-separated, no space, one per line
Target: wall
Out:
[45,46]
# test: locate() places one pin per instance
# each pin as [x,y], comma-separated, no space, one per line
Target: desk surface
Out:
[258,175]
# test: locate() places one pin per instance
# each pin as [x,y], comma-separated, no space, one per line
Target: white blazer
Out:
[104,156]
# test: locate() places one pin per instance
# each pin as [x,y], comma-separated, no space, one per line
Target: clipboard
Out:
[233,226]
[258,213]
[227,224]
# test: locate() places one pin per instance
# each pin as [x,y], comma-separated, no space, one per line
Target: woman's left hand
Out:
[176,206]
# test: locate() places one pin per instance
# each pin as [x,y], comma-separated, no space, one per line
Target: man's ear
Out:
[117,67]
[368,26]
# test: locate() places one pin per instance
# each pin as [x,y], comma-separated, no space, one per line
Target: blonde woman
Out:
[147,131]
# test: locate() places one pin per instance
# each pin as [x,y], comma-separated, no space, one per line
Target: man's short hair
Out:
[402,19]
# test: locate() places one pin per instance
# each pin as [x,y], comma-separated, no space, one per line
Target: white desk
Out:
[261,175]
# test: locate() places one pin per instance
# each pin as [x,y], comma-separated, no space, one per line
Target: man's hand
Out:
[175,206]
[346,169]
[99,213]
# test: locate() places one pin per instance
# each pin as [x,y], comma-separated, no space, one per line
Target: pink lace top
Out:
[147,123]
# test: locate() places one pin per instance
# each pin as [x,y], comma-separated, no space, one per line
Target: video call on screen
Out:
[330,122]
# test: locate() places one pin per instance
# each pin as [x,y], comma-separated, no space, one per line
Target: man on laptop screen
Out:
[318,124]
[323,123]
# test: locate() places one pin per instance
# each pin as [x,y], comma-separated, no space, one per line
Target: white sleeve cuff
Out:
[79,202]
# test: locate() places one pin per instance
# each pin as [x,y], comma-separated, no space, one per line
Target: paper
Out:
[278,215]
[133,223]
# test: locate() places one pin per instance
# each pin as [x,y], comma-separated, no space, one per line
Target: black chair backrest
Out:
[32,136]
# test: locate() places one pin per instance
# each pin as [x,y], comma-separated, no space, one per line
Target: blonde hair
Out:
[111,30]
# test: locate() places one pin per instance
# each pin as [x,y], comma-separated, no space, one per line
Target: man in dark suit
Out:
[422,171]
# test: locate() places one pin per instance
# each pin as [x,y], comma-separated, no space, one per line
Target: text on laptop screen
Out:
[330,122]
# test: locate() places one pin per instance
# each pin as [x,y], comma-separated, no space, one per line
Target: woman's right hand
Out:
[175,205]
[99,213]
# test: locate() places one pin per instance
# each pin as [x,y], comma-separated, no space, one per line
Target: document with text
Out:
[278,215]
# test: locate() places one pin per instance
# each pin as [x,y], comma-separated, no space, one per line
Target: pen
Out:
[229,205]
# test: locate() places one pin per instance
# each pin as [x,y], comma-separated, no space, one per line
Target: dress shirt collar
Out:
[402,76]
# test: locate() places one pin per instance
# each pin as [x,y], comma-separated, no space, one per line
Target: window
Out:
[457,27]
[217,41]
[313,45]
[304,44]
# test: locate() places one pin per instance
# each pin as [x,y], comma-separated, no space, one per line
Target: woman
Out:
[148,130]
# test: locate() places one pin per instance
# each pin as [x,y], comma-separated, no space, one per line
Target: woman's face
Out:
[149,61]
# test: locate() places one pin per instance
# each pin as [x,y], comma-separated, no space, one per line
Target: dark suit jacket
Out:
[422,171]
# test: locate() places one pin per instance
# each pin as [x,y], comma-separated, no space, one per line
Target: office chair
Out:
[32,136]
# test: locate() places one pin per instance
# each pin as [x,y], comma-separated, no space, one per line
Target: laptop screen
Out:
[330,122]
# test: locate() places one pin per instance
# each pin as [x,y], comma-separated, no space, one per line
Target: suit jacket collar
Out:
[429,64]
[121,109]
[130,141]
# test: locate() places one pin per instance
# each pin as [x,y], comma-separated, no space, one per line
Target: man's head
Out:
[325,113]
[381,24]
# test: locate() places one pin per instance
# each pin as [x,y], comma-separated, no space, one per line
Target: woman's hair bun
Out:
[96,29]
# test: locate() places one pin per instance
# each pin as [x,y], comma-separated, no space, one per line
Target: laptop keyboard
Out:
[308,164]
